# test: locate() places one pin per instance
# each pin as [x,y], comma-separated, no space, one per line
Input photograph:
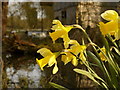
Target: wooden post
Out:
[4,16]
[1,70]
[0,45]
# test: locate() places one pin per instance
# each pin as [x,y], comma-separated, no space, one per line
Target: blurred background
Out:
[25,29]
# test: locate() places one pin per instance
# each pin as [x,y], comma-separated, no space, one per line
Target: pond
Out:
[22,72]
[30,77]
[20,67]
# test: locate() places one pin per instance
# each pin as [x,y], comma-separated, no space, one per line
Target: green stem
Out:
[104,68]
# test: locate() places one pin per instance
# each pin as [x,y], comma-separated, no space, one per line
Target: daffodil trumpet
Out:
[113,26]
[49,58]
[60,31]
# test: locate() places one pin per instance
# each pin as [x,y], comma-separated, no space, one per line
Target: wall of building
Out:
[65,12]
[87,13]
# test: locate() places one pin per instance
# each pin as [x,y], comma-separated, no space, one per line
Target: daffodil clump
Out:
[77,54]
[67,56]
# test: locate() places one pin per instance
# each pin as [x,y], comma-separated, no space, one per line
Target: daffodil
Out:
[49,58]
[60,31]
[111,27]
[76,48]
[102,56]
[68,57]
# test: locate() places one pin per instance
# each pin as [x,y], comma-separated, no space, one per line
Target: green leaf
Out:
[113,64]
[117,51]
[112,41]
[117,57]
[105,42]
[95,59]
[86,73]
[59,87]
[113,77]
[98,62]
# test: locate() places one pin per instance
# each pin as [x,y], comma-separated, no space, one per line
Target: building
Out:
[83,13]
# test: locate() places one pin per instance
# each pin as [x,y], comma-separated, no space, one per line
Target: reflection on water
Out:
[29,77]
[38,34]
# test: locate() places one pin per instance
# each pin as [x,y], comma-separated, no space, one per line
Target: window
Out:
[64,14]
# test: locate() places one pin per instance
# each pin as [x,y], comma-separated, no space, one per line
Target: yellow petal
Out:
[56,28]
[77,49]
[44,52]
[52,60]
[66,58]
[56,22]
[58,25]
[66,40]
[74,61]
[82,57]
[112,26]
[60,32]
[109,28]
[55,69]
[73,42]
[103,58]
[57,34]
[42,62]
[109,15]
[117,36]
[103,29]
[68,28]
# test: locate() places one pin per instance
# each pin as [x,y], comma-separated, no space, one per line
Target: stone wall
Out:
[89,12]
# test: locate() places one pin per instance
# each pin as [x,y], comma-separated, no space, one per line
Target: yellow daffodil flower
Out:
[60,32]
[103,58]
[68,57]
[76,48]
[49,58]
[111,27]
